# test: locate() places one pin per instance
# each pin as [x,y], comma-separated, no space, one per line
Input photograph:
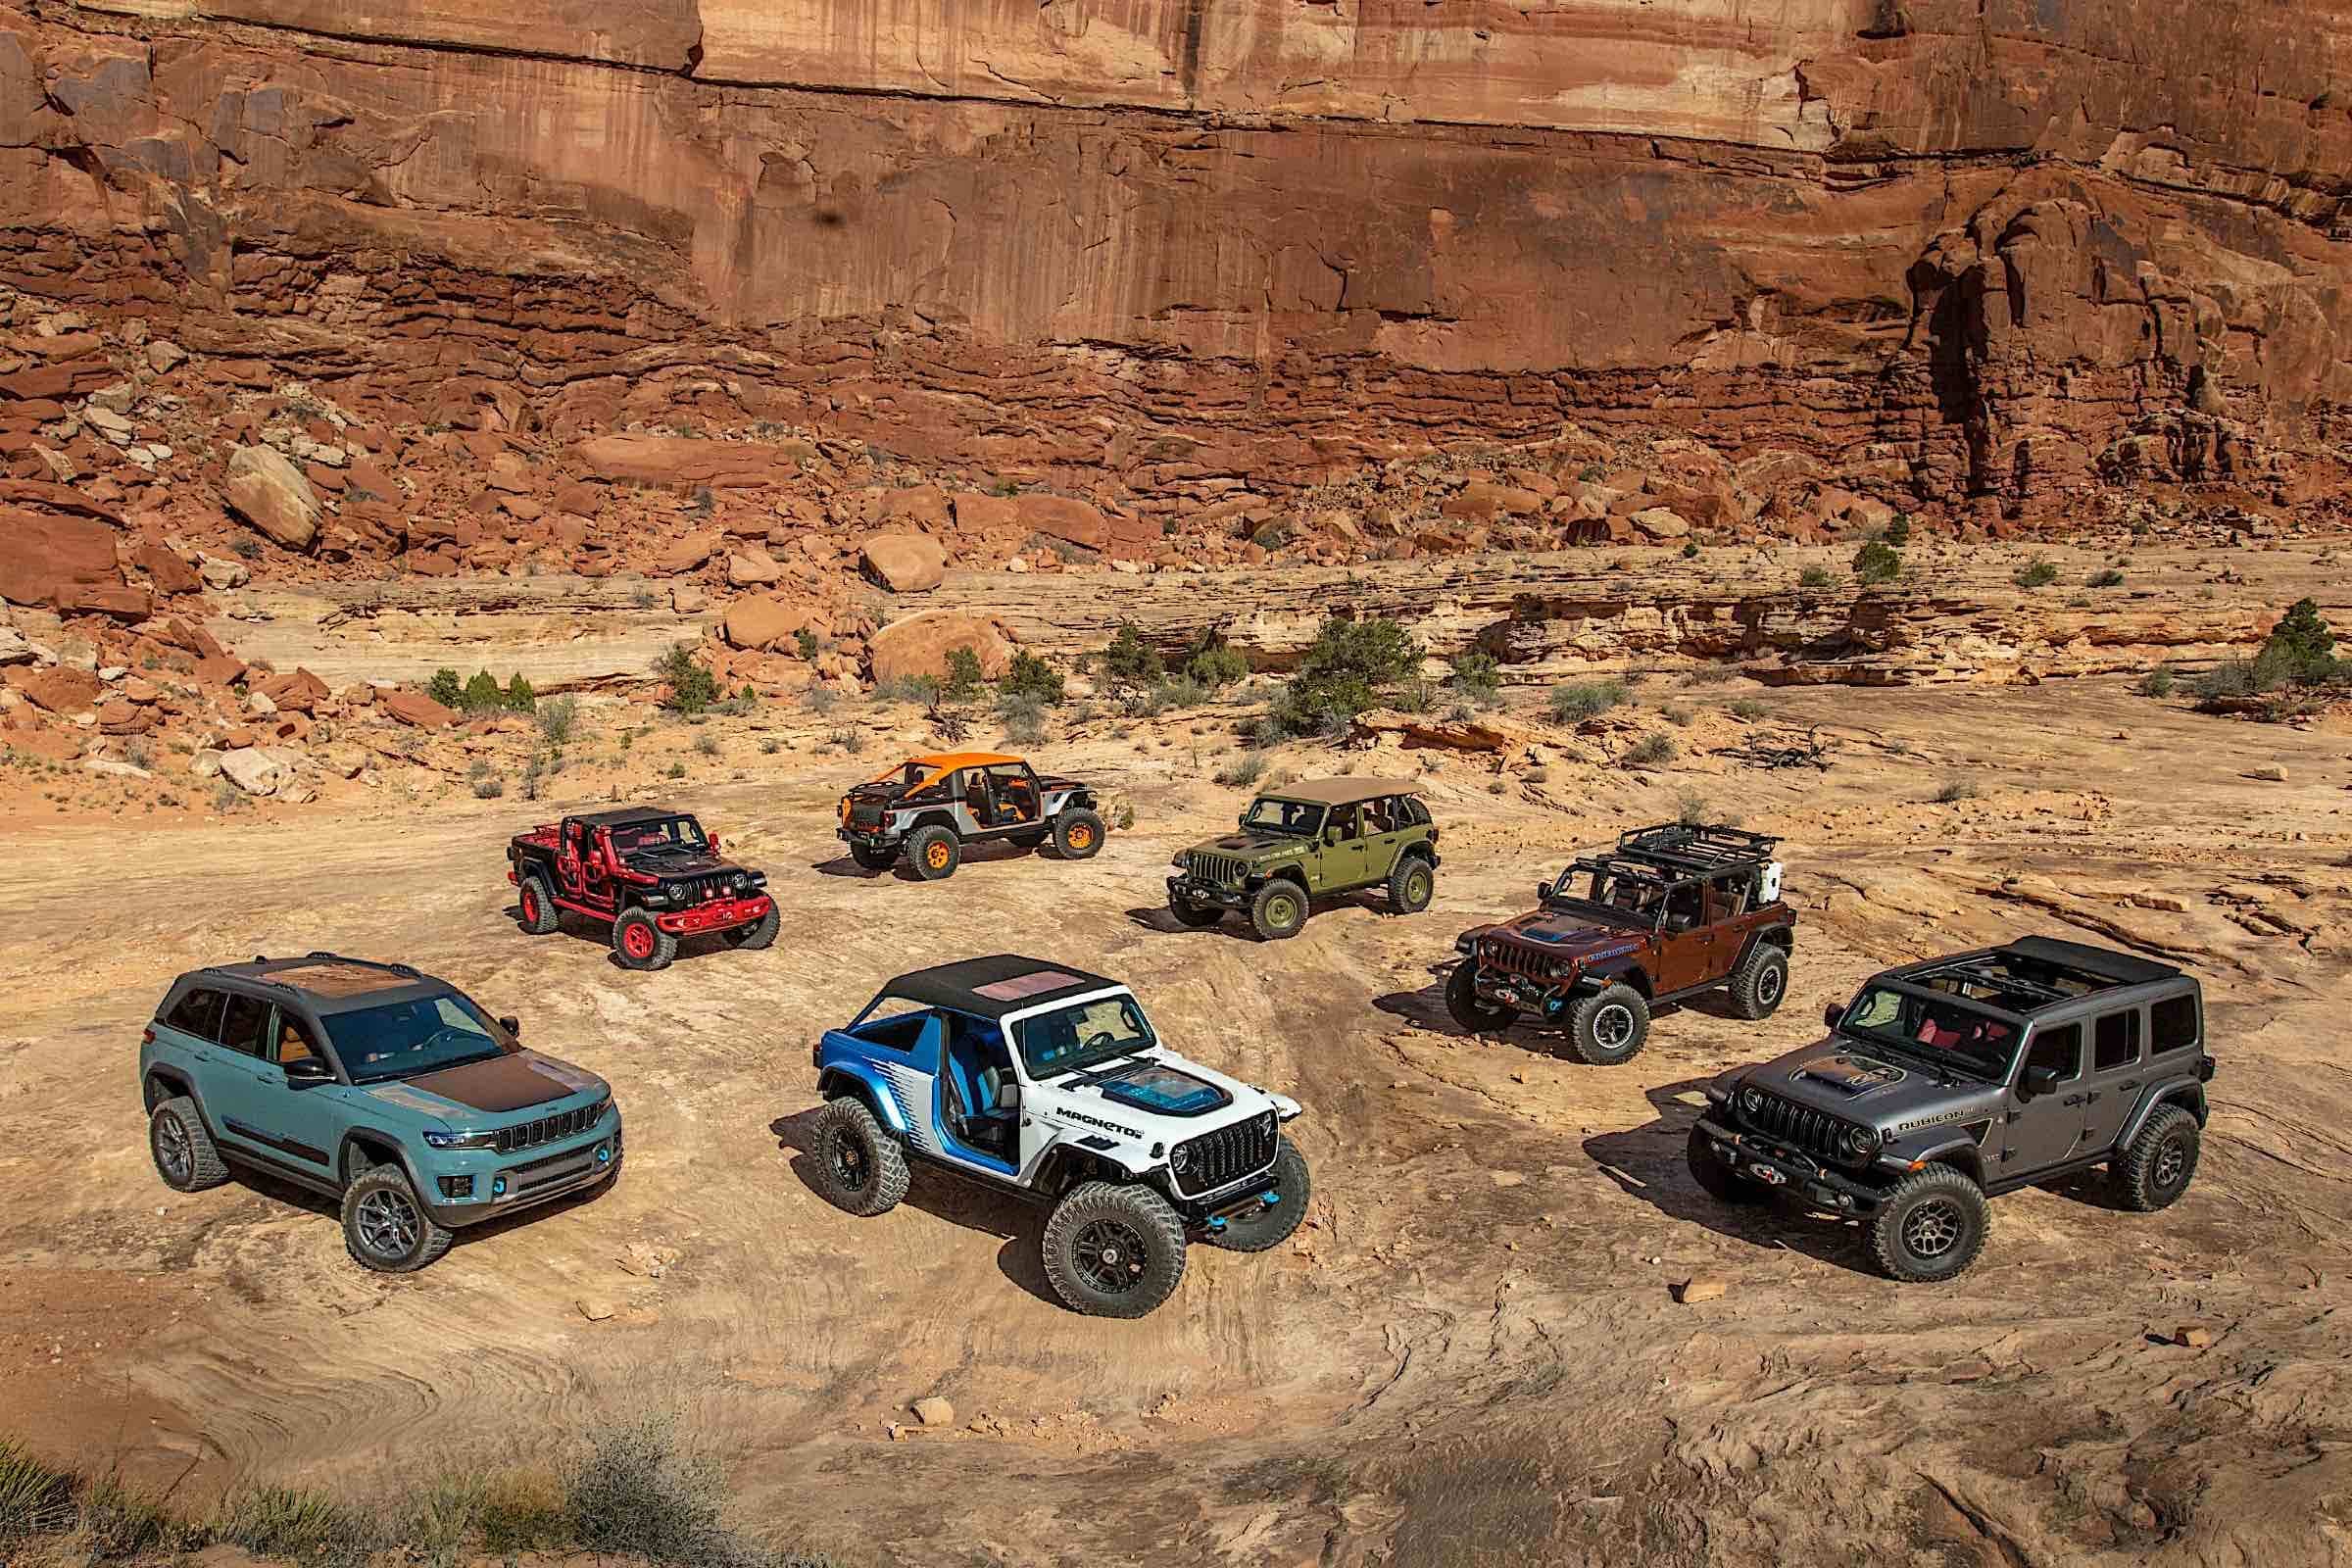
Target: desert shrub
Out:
[2157,682]
[482,694]
[692,688]
[1032,677]
[1477,675]
[558,719]
[489,787]
[1583,699]
[1877,562]
[2110,578]
[1676,714]
[1748,709]
[674,770]
[520,697]
[445,688]
[1243,772]
[852,741]
[1690,808]
[34,1500]
[302,1525]
[1654,750]
[2036,573]
[963,678]
[1216,665]
[707,744]
[1955,789]
[1898,532]
[1182,692]
[924,689]
[1131,661]
[804,643]
[1343,674]
[1023,716]
[1814,577]
[2302,646]
[819,700]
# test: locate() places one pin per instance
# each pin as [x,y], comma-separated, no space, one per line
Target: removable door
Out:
[2118,1071]
[1384,836]
[2043,1131]
[1341,864]
[1686,942]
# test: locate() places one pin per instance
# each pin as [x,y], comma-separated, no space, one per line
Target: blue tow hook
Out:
[1269,1198]
[1216,1222]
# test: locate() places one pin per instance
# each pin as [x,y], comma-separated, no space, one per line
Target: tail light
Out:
[147,1036]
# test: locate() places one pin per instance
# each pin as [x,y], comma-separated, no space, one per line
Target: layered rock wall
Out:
[1958,255]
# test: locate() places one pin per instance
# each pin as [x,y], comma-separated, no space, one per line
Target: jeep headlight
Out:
[1265,1124]
[1181,863]
[1752,1099]
[1863,1142]
[462,1140]
[1180,1159]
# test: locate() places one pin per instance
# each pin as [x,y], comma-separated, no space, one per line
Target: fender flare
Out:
[2186,1093]
[1783,937]
[932,816]
[1629,972]
[1958,1153]
[178,1085]
[400,1157]
[1418,849]
[856,1081]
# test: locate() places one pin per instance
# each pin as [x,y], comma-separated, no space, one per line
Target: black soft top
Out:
[329,982]
[994,986]
[630,815]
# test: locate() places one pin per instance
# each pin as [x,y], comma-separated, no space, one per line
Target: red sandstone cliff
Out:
[1953,253]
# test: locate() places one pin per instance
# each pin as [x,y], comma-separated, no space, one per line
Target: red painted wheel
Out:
[637,942]
[530,906]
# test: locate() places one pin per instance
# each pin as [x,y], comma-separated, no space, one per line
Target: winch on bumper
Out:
[1184,885]
[1771,1164]
[719,915]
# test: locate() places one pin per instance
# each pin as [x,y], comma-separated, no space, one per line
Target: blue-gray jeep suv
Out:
[373,1084]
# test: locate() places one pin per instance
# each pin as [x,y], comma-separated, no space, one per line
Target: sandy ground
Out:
[1471,1353]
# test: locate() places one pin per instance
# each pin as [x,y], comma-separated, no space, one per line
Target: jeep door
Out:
[1341,863]
[254,1108]
[1014,796]
[1385,824]
[2042,1130]
[2117,1069]
[1685,941]
[191,1031]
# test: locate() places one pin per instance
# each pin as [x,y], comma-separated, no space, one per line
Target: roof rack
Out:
[1703,849]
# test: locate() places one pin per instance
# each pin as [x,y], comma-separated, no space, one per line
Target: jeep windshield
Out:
[404,1039]
[1940,1032]
[1083,1035]
[675,833]
[1269,815]
[1611,899]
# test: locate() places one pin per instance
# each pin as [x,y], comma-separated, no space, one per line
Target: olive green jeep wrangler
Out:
[1313,838]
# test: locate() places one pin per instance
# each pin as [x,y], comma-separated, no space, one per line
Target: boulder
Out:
[685,461]
[1480,499]
[754,567]
[905,562]
[977,514]
[271,493]
[167,569]
[923,505]
[297,691]
[509,473]
[220,573]
[1062,518]
[919,645]
[16,648]
[415,708]
[685,555]
[757,622]
[934,1411]
[54,560]
[254,771]
[1657,523]
[61,688]
[688,600]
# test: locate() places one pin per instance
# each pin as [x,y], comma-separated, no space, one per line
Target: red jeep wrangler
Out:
[653,874]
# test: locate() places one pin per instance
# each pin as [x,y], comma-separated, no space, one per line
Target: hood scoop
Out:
[1164,1091]
[1847,1073]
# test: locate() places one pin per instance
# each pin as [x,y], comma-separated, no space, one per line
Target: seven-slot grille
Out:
[1512,958]
[548,1129]
[1221,870]
[700,889]
[1816,1131]
[1227,1154]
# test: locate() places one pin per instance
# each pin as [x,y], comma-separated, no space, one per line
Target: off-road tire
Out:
[1132,1222]
[1278,911]
[1473,1012]
[934,851]
[1609,1027]
[856,1164]
[535,906]
[1078,834]
[1717,1179]
[639,943]
[1760,982]
[2159,1164]
[1931,1226]
[384,1223]
[760,933]
[872,857]
[1412,883]
[1271,1227]
[1197,916]
[183,1151]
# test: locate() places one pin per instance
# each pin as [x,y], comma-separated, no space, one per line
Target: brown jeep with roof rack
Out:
[1672,911]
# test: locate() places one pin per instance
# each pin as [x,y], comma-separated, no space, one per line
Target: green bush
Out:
[1216,665]
[1898,532]
[2036,573]
[2302,646]
[2157,682]
[558,718]
[1583,699]
[445,688]
[1477,675]
[1877,562]
[1343,672]
[482,694]
[804,643]
[1023,715]
[1131,661]
[1652,751]
[692,688]
[922,689]
[1748,709]
[964,676]
[306,1527]
[1243,772]
[1031,677]
[1814,577]
[521,698]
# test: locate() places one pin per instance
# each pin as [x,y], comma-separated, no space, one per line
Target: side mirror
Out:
[2038,1081]
[1543,892]
[1832,1014]
[712,842]
[511,1025]
[309,1070]
[1333,834]
[1008,1096]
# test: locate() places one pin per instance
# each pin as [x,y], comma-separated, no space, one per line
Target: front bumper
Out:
[1520,992]
[535,1177]
[717,915]
[1774,1164]
[1215,895]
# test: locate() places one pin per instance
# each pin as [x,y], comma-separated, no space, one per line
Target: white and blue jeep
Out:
[1040,1080]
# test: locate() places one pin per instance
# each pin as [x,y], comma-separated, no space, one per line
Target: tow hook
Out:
[1216,1224]
[1269,1198]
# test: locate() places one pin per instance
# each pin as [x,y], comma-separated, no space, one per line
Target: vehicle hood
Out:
[1159,1098]
[1848,1080]
[1562,934]
[468,1093]
[678,864]
[1250,846]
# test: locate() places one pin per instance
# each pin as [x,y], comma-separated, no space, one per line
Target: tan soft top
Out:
[1343,791]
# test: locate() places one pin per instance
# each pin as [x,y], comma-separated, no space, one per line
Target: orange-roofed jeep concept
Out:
[929,807]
